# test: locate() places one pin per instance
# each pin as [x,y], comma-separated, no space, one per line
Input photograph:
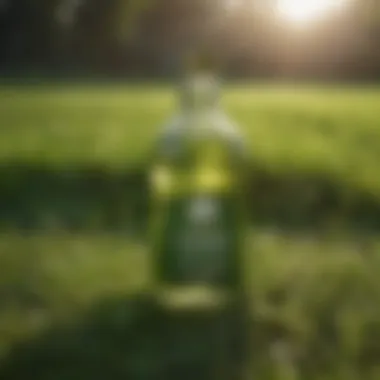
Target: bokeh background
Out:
[85,87]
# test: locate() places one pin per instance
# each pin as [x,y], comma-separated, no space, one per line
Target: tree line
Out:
[146,37]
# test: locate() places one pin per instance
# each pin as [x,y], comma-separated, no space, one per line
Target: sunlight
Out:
[301,11]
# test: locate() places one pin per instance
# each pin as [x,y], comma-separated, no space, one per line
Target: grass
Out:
[309,129]
[67,154]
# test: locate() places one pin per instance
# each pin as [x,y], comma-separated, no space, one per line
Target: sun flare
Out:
[301,11]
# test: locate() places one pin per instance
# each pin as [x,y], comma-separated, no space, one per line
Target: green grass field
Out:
[72,159]
[332,130]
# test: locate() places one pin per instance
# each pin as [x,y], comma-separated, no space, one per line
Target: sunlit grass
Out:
[329,130]
[301,284]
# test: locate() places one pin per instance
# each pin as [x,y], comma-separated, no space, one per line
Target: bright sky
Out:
[297,11]
[303,11]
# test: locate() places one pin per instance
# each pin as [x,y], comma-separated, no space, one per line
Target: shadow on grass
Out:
[132,338]
[35,197]
[73,198]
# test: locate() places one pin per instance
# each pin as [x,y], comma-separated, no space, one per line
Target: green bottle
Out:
[197,189]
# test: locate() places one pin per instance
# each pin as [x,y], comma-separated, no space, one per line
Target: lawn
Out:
[73,213]
[312,129]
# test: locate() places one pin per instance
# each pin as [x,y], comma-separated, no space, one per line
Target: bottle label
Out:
[200,241]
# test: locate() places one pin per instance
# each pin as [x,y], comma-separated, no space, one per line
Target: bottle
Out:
[197,190]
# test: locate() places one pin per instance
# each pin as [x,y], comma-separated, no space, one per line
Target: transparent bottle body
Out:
[198,218]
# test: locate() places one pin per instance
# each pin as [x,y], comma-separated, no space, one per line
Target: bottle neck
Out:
[199,93]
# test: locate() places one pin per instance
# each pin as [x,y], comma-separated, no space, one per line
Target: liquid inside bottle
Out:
[197,183]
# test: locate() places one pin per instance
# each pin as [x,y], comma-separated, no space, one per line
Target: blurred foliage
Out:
[144,38]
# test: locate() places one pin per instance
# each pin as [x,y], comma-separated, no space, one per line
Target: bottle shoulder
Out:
[183,128]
